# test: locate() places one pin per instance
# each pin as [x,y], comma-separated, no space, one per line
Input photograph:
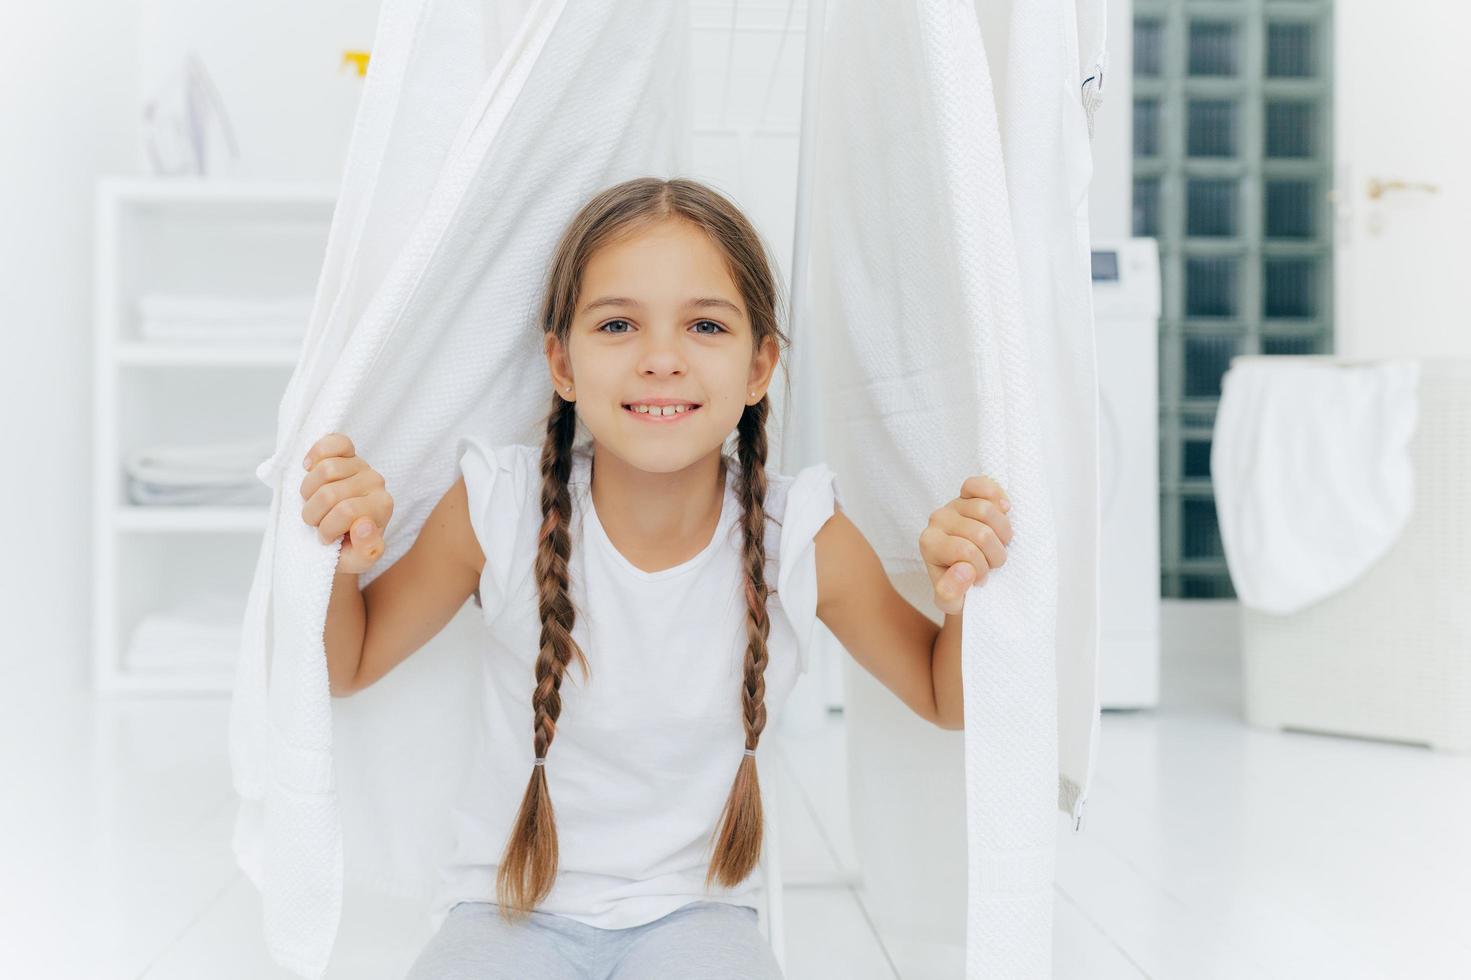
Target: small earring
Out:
[569,387]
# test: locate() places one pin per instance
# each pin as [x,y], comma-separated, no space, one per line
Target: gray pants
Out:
[698,941]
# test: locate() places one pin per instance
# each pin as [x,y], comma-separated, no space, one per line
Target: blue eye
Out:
[718,327]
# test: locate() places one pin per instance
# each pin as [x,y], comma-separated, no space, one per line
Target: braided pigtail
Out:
[529,866]
[738,841]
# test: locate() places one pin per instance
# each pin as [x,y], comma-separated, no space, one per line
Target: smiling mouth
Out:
[660,416]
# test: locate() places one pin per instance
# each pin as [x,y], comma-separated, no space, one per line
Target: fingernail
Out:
[1005,504]
[306,462]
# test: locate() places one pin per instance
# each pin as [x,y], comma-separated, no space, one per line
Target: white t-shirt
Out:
[645,753]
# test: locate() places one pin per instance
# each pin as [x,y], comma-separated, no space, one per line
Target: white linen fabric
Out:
[1310,461]
[950,299]
[1049,169]
[954,316]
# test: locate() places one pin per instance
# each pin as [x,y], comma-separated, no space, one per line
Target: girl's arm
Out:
[407,605]
[893,640]
[878,627]
[945,666]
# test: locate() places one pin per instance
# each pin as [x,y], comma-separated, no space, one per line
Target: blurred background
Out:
[1278,212]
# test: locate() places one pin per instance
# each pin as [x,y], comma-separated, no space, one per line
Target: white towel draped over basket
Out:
[1310,458]
[482,128]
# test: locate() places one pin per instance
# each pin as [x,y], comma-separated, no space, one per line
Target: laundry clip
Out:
[1092,95]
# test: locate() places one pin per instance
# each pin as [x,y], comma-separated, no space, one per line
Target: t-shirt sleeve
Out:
[498,484]
[812,497]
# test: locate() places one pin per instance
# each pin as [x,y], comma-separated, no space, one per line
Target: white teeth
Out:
[661,410]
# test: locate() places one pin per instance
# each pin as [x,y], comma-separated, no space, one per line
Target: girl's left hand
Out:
[964,540]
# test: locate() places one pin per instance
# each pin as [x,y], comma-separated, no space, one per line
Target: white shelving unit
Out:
[186,236]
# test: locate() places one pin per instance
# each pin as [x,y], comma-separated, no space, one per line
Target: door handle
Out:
[1377,187]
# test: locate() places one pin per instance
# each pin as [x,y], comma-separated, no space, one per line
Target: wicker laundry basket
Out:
[1389,656]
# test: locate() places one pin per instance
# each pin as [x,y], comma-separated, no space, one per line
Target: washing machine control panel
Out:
[1126,279]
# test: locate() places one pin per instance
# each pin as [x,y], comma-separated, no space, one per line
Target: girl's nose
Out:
[661,354]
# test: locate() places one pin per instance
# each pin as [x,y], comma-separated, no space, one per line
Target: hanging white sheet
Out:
[481,130]
[950,301]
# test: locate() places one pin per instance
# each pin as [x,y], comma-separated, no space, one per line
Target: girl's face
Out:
[658,316]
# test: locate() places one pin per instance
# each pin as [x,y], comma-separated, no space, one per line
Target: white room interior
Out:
[1216,843]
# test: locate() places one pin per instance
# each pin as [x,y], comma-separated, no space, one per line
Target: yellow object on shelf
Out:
[358,58]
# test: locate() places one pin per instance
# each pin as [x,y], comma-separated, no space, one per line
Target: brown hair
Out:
[528,867]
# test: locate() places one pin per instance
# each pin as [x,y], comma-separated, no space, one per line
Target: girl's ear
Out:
[557,363]
[763,365]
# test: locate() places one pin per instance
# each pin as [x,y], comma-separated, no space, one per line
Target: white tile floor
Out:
[1210,850]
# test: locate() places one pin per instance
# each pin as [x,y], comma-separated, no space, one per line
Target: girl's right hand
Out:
[346,496]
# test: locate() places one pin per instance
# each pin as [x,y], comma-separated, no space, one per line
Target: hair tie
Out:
[540,761]
[751,753]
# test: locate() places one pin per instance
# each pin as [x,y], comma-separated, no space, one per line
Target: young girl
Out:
[652,559]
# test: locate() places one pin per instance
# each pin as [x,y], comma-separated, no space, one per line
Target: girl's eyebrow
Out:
[703,302]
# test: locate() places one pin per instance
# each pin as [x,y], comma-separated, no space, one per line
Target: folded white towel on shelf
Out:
[244,332]
[219,472]
[216,463]
[178,317]
[144,494]
[1312,474]
[204,633]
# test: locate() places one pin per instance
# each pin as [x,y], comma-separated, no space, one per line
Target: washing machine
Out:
[1126,309]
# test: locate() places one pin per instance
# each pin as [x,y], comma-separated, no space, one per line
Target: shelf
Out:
[188,237]
[171,190]
[174,682]
[133,518]
[157,354]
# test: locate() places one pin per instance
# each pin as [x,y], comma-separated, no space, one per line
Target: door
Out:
[1402,194]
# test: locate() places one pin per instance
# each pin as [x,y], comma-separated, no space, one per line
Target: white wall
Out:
[67,78]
